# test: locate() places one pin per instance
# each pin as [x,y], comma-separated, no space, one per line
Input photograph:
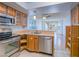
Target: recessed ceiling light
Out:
[44,17]
[34,17]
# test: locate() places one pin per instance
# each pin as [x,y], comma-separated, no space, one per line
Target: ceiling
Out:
[42,8]
[24,6]
[33,5]
[58,9]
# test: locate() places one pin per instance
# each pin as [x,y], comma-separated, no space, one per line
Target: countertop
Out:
[35,32]
[39,34]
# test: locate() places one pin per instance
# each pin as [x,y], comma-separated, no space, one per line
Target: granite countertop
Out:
[40,34]
[35,32]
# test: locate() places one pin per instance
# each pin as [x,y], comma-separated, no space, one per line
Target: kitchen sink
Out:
[36,32]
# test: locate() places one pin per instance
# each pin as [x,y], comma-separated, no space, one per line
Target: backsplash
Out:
[5,30]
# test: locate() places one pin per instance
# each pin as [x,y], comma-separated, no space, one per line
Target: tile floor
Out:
[28,54]
[57,53]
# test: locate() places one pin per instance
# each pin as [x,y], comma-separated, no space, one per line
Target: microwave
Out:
[7,20]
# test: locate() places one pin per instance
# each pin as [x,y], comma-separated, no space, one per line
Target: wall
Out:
[63,20]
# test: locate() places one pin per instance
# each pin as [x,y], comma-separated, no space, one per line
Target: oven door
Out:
[11,48]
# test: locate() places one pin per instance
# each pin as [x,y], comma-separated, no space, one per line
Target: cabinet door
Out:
[14,12]
[75,41]
[36,43]
[74,15]
[33,43]
[11,11]
[3,8]
[23,19]
[18,19]
[75,47]
[30,43]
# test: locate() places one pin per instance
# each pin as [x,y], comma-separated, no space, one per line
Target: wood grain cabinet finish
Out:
[3,8]
[75,31]
[68,37]
[75,41]
[11,11]
[18,19]
[32,43]
[72,40]
[75,15]
[21,19]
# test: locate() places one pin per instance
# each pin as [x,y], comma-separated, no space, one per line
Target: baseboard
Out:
[39,52]
[45,53]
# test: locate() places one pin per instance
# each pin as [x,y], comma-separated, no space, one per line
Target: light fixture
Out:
[34,17]
[44,17]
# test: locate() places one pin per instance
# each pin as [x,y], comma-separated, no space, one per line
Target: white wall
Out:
[60,34]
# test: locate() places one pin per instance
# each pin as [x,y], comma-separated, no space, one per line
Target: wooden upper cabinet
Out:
[18,19]
[11,11]
[3,8]
[21,19]
[14,12]
[75,15]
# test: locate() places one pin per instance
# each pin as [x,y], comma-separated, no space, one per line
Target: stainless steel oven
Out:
[9,44]
[12,47]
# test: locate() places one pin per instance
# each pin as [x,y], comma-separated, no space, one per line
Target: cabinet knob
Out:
[31,38]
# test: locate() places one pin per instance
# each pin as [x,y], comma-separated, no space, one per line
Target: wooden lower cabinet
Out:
[72,40]
[32,43]
[75,41]
[75,50]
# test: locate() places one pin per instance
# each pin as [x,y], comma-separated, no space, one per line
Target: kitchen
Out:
[39,29]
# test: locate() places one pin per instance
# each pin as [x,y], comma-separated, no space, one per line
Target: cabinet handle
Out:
[36,38]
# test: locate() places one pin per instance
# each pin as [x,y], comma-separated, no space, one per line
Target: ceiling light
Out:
[34,17]
[44,17]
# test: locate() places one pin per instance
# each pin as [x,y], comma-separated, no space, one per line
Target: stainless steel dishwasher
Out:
[45,45]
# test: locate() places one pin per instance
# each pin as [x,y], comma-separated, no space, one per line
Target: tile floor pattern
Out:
[28,54]
[57,53]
